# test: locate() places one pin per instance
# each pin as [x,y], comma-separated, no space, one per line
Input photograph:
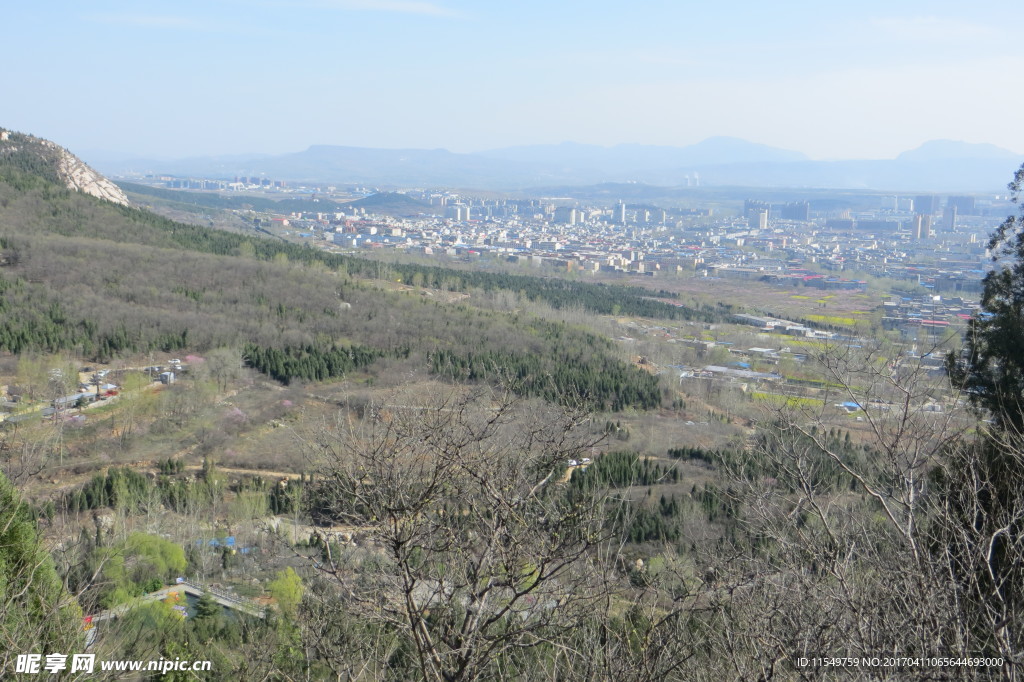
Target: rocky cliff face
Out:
[79,176]
[59,164]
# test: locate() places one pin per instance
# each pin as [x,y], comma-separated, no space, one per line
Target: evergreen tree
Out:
[207,607]
[991,369]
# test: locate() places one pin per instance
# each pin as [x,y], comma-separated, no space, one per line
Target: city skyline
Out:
[234,77]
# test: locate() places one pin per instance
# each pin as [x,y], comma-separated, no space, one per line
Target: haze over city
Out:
[230,77]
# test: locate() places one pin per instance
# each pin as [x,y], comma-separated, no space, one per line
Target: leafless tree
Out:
[479,558]
[864,546]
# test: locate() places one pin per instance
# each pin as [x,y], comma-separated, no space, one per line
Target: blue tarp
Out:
[225,542]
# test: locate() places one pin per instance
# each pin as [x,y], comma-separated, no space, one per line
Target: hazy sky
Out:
[865,79]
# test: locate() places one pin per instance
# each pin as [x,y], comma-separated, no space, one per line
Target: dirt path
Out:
[52,481]
[266,473]
[568,473]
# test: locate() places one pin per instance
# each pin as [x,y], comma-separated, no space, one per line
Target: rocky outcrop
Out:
[79,176]
[57,163]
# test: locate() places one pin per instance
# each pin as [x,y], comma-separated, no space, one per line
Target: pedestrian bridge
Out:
[195,589]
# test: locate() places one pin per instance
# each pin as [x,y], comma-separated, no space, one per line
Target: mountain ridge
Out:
[722,161]
[934,150]
[58,164]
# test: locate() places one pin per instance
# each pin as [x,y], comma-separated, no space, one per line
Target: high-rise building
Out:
[752,207]
[798,210]
[949,217]
[457,212]
[566,215]
[620,214]
[926,204]
[963,205]
[922,227]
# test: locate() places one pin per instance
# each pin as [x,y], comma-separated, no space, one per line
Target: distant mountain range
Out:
[939,165]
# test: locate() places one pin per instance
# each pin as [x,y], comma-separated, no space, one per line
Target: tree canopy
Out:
[991,369]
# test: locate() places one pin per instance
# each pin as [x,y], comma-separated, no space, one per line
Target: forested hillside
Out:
[103,280]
